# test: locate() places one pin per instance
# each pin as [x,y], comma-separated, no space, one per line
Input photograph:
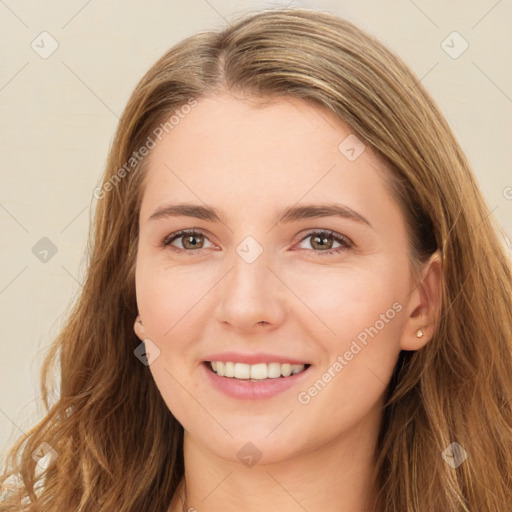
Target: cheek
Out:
[356,323]
[365,314]
[168,301]
[166,295]
[346,302]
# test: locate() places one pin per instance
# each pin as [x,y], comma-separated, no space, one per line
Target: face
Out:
[271,286]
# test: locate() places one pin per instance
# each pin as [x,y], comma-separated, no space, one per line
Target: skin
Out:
[251,160]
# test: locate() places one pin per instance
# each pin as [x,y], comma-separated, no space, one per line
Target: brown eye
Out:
[322,242]
[190,240]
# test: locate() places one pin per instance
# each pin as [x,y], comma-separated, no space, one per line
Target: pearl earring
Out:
[420,333]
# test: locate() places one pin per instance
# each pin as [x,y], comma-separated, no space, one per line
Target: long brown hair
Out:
[109,424]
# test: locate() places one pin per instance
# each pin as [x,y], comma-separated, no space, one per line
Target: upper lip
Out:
[260,357]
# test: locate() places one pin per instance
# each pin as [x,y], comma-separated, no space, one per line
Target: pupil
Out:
[189,240]
[322,239]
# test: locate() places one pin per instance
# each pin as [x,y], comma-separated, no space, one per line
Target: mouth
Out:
[254,372]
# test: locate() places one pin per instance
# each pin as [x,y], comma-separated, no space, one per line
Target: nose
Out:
[251,296]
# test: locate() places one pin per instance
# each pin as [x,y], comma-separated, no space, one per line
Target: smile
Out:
[255,372]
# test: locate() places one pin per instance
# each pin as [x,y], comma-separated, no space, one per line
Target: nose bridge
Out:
[250,271]
[250,275]
[250,293]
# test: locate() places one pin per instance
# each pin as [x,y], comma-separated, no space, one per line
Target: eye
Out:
[193,241]
[189,241]
[323,240]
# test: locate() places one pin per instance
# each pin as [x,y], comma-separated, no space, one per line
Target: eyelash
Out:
[346,244]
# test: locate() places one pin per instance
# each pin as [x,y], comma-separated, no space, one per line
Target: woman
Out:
[286,306]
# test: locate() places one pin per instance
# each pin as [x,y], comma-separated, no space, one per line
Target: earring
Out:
[419,333]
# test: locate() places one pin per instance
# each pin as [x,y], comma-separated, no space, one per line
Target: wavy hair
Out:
[109,418]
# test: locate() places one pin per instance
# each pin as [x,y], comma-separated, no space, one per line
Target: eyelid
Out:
[330,232]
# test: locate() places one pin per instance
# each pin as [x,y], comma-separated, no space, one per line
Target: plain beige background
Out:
[59,113]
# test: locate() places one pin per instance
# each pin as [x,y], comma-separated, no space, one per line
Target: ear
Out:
[424,306]
[139,329]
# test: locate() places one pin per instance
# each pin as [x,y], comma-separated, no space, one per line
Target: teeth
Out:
[229,370]
[274,370]
[286,370]
[260,371]
[242,371]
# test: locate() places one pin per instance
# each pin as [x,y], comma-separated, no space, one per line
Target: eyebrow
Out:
[286,215]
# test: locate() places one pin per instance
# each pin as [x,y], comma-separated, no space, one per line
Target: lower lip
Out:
[249,390]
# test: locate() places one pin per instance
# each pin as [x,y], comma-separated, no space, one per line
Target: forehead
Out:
[247,154]
[222,129]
